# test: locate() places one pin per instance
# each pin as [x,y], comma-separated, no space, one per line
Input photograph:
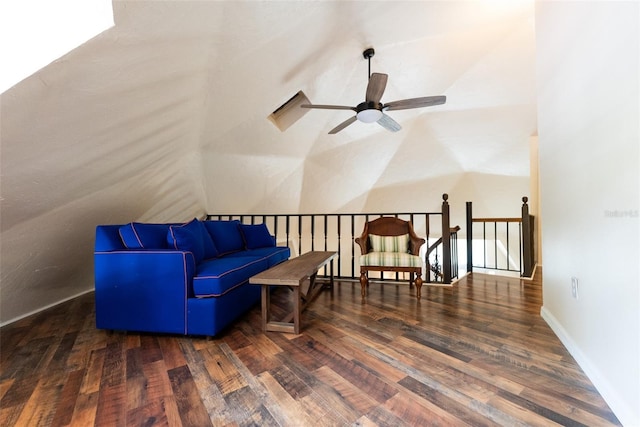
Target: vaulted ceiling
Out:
[164,117]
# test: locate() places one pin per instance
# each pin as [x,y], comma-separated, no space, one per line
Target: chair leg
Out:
[364,282]
[418,285]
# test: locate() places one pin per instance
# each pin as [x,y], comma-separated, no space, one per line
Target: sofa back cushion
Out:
[257,236]
[210,249]
[137,235]
[226,236]
[108,238]
[192,237]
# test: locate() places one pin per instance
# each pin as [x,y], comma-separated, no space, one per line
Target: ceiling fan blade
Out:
[328,107]
[389,124]
[405,104]
[342,125]
[375,88]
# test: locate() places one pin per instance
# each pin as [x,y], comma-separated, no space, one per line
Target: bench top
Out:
[295,270]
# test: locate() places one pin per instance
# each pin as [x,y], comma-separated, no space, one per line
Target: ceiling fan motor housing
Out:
[369,112]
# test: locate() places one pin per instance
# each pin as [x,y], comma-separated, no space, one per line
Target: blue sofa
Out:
[189,279]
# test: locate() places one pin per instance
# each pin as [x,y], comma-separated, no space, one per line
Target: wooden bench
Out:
[300,275]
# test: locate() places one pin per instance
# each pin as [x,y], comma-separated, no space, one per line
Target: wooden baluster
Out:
[446,241]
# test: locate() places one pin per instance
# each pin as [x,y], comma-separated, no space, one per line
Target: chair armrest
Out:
[363,242]
[415,244]
[416,241]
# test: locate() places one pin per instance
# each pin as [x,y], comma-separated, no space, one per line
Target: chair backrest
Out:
[389,226]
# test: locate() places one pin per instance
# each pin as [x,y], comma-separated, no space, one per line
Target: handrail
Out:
[496,219]
[439,241]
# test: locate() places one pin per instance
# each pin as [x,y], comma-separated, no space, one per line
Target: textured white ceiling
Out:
[164,117]
[479,54]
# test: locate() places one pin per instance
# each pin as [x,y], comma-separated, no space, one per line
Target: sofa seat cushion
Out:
[217,276]
[274,255]
[390,259]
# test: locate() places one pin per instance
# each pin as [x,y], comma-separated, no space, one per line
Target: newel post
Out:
[446,241]
[527,239]
[469,238]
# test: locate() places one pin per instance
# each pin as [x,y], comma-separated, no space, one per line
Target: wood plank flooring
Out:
[475,354]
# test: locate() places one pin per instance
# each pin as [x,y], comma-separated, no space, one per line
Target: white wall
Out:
[104,135]
[588,125]
[534,198]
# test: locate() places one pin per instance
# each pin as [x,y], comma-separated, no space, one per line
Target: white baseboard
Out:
[620,408]
[45,308]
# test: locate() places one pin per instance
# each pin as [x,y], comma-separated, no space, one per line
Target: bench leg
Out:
[297,310]
[266,296]
[418,285]
[364,282]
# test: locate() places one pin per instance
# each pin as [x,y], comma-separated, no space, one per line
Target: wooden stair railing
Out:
[448,270]
[526,261]
[436,268]
[337,231]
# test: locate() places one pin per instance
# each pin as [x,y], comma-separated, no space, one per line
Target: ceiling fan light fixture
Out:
[369,116]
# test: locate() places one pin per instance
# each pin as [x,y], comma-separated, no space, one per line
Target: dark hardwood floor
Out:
[474,354]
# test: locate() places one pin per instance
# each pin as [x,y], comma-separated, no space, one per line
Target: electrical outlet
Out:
[574,287]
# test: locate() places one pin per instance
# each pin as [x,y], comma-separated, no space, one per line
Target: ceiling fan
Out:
[371,110]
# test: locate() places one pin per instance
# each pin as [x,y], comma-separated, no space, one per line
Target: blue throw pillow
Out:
[210,250]
[192,237]
[257,236]
[136,235]
[226,236]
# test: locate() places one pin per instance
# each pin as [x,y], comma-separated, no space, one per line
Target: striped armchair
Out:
[390,244]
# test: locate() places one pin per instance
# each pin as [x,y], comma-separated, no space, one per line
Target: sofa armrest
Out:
[143,290]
